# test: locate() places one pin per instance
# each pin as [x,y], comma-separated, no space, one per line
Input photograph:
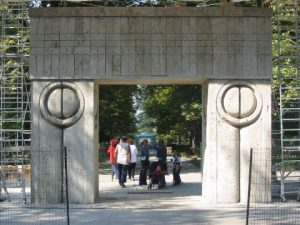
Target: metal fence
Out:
[19,204]
[284,181]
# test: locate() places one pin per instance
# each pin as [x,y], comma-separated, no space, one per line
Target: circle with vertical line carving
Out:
[239,103]
[62,103]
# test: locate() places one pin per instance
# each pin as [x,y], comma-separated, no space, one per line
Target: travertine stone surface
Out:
[258,137]
[81,140]
[46,154]
[94,43]
[228,50]
[227,146]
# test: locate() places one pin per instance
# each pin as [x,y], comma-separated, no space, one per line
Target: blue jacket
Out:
[144,152]
[161,152]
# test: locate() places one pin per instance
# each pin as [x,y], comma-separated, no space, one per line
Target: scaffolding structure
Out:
[15,91]
[287,97]
[15,97]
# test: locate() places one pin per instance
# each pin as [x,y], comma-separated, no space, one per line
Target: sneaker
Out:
[123,186]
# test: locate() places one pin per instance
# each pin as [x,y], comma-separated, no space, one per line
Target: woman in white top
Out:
[132,165]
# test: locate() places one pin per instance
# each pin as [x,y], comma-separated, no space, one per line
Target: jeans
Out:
[131,170]
[176,177]
[122,169]
[143,173]
[114,170]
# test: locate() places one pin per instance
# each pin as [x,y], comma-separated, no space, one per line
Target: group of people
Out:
[123,156]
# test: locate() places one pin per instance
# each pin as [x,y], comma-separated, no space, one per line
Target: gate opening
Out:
[168,113]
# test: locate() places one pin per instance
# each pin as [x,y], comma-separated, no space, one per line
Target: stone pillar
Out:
[64,114]
[258,135]
[236,117]
[46,153]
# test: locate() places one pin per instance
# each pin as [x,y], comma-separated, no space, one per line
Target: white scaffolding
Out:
[15,94]
[15,88]
[287,21]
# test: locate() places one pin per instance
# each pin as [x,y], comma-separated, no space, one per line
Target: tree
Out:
[175,111]
[116,111]
[286,82]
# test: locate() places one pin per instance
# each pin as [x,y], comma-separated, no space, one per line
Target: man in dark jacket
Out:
[161,151]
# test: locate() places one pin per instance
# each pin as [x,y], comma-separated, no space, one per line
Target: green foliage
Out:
[283,50]
[14,48]
[142,3]
[175,111]
[117,111]
[166,2]
[286,161]
[111,3]
[145,123]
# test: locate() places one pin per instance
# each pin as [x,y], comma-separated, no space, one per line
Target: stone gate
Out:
[74,50]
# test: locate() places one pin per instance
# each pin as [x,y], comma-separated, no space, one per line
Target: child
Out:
[176,162]
[157,177]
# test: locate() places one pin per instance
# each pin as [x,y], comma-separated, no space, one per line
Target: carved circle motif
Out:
[239,103]
[62,103]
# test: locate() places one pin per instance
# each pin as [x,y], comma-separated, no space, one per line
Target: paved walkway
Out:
[136,205]
[173,205]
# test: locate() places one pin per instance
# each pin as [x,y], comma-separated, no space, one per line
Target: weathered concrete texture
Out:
[94,46]
[95,43]
[46,154]
[258,137]
[227,147]
[81,141]
[149,12]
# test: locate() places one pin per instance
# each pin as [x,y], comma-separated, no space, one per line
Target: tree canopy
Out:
[143,3]
[117,111]
[175,111]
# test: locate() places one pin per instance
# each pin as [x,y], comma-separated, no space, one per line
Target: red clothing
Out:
[158,172]
[111,151]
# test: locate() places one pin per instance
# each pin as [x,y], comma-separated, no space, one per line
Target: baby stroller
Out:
[157,171]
